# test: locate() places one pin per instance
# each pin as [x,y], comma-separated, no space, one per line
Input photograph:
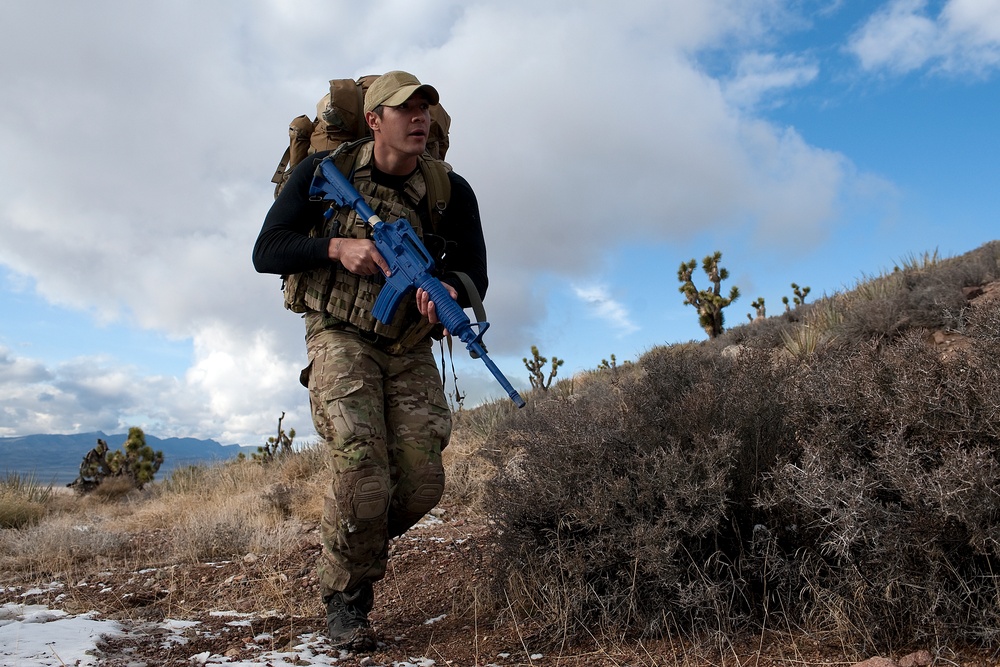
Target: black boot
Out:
[347,618]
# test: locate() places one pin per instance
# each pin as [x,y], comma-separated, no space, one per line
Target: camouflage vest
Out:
[345,298]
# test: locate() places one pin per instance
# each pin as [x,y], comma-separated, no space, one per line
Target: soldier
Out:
[374,388]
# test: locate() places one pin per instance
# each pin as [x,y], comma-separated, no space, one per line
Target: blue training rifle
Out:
[410,268]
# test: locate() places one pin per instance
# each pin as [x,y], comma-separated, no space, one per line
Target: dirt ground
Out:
[427,612]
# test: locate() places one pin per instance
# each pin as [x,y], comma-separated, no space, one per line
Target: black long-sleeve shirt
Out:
[284,245]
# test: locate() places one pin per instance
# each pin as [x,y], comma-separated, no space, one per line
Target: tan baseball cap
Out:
[394,88]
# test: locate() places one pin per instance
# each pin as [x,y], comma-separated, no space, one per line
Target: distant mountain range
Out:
[56,458]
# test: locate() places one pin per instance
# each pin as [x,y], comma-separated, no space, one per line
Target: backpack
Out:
[340,119]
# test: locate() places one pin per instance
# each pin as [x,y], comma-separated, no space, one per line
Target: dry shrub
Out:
[895,492]
[620,508]
[112,489]
[466,469]
[920,294]
[849,490]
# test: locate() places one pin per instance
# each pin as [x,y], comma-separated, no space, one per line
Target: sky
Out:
[809,141]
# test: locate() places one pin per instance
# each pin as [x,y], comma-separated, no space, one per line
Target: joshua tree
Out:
[710,302]
[800,296]
[758,306]
[535,366]
[277,445]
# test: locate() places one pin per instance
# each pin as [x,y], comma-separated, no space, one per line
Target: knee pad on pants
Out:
[363,494]
[428,487]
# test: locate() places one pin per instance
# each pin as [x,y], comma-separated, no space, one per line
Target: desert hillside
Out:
[815,488]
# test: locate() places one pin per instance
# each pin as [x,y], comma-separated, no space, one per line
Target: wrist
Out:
[333,252]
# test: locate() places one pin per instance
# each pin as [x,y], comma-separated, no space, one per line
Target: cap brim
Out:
[407,92]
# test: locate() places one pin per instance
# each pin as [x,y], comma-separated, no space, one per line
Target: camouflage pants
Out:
[387,420]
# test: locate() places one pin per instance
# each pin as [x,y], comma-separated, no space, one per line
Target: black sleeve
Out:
[463,229]
[284,245]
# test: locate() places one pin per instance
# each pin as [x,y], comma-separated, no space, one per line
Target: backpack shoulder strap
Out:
[435,174]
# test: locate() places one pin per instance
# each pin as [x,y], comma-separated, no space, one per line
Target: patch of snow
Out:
[308,652]
[55,585]
[35,636]
[231,614]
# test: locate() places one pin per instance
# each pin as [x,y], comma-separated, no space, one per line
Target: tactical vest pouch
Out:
[292,287]
[309,290]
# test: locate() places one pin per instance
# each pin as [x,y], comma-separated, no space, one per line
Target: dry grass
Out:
[18,512]
[466,468]
[113,488]
[61,544]
[23,501]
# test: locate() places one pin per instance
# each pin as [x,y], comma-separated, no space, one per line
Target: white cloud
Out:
[14,370]
[761,75]
[604,307]
[247,382]
[963,38]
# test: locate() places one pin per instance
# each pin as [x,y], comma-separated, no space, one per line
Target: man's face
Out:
[404,128]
